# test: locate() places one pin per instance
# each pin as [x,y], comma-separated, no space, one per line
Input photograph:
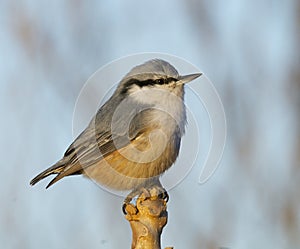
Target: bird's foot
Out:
[153,192]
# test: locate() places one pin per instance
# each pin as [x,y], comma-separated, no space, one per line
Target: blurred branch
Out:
[147,219]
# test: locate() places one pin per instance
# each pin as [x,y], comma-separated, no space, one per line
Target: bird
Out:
[135,136]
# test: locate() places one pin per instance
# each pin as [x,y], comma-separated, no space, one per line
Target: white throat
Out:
[167,100]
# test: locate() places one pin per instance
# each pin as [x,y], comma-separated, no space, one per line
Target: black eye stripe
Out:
[160,81]
[150,82]
[145,83]
[165,80]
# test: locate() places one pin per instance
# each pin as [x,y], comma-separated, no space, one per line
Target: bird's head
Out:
[156,75]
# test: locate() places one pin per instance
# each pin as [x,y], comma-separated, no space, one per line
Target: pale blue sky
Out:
[249,49]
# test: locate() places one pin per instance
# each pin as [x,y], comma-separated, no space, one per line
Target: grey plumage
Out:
[129,120]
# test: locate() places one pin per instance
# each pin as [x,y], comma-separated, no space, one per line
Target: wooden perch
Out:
[147,219]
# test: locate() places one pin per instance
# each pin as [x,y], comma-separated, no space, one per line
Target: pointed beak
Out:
[187,78]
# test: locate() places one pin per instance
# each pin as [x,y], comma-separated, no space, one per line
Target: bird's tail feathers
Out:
[55,169]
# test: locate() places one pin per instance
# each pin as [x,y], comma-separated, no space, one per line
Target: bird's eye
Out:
[160,81]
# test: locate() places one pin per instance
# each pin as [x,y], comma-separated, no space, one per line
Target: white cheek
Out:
[142,95]
[157,94]
[170,102]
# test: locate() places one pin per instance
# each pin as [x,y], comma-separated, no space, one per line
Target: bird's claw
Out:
[124,207]
[153,191]
[126,202]
[164,195]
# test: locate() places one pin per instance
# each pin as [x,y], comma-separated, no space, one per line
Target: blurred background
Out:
[250,51]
